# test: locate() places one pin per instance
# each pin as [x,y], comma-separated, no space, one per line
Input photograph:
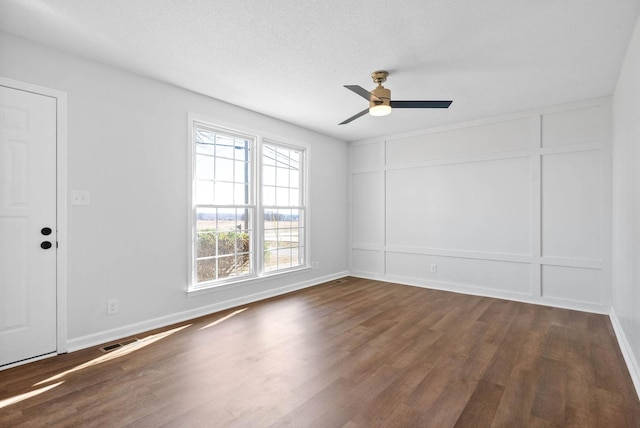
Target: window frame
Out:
[255,190]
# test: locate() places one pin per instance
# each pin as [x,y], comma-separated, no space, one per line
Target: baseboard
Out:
[486,292]
[627,352]
[115,334]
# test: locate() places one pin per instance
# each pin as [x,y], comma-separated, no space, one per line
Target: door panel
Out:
[27,205]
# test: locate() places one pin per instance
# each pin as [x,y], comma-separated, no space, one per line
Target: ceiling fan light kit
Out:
[379,110]
[380,103]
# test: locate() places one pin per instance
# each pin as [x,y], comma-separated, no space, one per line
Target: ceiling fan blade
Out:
[420,104]
[362,92]
[355,116]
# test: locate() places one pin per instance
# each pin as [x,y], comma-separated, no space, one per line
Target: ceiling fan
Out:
[380,103]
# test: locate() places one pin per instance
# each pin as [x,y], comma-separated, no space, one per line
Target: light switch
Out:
[80,197]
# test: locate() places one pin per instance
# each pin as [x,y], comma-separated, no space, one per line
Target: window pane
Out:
[223,193]
[224,169]
[284,258]
[204,167]
[282,239]
[282,157]
[284,217]
[297,217]
[282,177]
[241,172]
[243,220]
[240,194]
[295,159]
[282,196]
[294,197]
[226,267]
[241,149]
[269,196]
[205,147]
[226,219]
[226,243]
[206,270]
[268,176]
[205,141]
[206,243]
[268,155]
[295,181]
[206,218]
[224,146]
[270,260]
[204,192]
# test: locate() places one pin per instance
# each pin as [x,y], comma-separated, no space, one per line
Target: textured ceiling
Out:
[289,58]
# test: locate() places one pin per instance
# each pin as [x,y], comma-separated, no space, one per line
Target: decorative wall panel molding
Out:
[513,207]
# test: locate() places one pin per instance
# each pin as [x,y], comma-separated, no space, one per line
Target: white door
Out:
[27,225]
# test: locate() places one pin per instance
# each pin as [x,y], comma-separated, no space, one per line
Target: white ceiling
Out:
[289,58]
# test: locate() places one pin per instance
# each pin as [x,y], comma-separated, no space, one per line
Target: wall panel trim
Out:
[517,228]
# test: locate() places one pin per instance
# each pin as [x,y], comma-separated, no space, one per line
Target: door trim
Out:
[61,205]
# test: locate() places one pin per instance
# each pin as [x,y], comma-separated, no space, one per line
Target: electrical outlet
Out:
[315,265]
[433,268]
[112,306]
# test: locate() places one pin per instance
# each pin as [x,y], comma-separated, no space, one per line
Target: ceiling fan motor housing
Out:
[383,96]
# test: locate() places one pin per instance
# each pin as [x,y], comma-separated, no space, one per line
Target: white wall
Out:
[127,145]
[626,207]
[515,207]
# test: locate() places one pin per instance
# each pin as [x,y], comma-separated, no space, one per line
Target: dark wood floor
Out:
[355,354]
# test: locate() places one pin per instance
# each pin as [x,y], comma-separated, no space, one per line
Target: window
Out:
[283,219]
[247,207]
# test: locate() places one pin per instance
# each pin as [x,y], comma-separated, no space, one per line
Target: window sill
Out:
[214,288]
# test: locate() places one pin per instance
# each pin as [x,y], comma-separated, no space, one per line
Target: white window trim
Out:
[255,187]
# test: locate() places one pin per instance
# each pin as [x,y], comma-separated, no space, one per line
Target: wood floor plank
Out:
[514,409]
[481,407]
[355,354]
[550,397]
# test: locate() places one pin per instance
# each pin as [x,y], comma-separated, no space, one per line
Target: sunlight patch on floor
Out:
[125,350]
[232,314]
[16,399]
